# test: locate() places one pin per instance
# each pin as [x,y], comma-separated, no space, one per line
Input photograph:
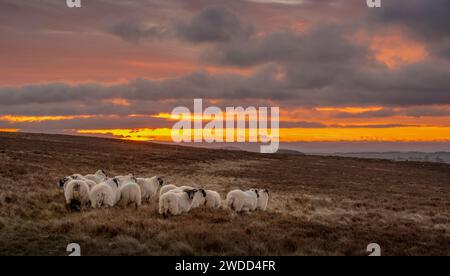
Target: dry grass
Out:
[320,206]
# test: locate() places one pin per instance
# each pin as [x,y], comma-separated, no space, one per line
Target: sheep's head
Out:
[116,181]
[160,181]
[101,173]
[74,205]
[191,193]
[63,181]
[256,192]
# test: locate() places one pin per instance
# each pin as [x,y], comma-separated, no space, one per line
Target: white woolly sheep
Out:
[98,177]
[125,179]
[199,198]
[90,183]
[263,199]
[212,199]
[176,203]
[166,188]
[130,193]
[103,194]
[238,200]
[76,193]
[150,186]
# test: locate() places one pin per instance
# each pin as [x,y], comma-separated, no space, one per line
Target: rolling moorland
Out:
[319,205]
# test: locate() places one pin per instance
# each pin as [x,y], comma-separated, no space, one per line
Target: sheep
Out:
[98,177]
[125,179]
[263,199]
[166,188]
[149,186]
[76,193]
[238,200]
[81,177]
[103,194]
[212,199]
[199,198]
[130,193]
[176,203]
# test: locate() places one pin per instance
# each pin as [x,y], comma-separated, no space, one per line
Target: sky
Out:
[339,71]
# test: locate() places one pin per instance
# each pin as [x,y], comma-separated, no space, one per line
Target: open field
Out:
[320,205]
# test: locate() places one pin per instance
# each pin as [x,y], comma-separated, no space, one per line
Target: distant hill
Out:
[286,151]
[437,157]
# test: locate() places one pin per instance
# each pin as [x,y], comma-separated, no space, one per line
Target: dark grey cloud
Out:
[428,111]
[420,84]
[213,24]
[323,44]
[136,31]
[429,19]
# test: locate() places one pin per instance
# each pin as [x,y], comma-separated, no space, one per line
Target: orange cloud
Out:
[172,68]
[353,110]
[393,49]
[34,119]
[119,102]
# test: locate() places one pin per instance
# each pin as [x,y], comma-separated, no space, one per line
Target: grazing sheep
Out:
[103,195]
[212,199]
[125,179]
[150,186]
[176,203]
[98,177]
[199,198]
[130,193]
[76,193]
[166,188]
[90,183]
[238,200]
[263,199]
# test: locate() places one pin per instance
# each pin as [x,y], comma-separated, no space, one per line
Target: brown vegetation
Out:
[320,205]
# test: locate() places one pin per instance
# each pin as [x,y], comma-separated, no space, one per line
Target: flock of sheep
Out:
[98,191]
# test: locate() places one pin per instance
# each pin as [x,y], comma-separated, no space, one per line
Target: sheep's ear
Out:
[203,192]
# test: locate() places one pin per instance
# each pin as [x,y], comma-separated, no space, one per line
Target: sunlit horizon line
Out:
[395,134]
[9,130]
